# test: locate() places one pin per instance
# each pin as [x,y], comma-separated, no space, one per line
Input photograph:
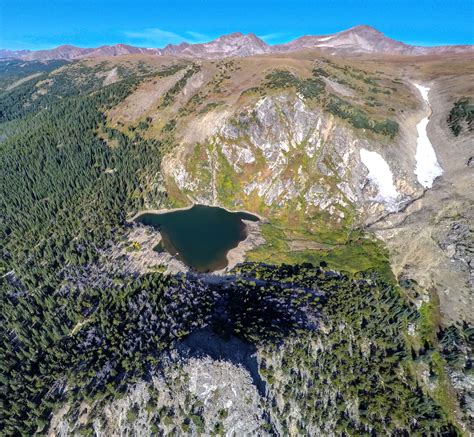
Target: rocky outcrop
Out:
[456,239]
[188,397]
[284,153]
[137,254]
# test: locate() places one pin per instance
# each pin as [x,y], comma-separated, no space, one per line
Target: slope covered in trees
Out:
[332,348]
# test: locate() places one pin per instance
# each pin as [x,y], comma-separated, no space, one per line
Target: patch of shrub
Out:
[168,98]
[309,88]
[461,113]
[281,79]
[359,119]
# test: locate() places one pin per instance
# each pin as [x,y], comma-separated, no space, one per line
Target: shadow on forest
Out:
[244,318]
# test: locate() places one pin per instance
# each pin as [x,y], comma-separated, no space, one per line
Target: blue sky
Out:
[38,24]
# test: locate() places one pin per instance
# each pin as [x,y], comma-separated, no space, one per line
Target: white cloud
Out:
[159,37]
[271,36]
[155,34]
[198,37]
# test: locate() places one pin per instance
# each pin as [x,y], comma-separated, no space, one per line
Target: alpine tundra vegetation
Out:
[237,238]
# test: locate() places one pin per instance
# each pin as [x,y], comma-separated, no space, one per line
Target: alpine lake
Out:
[200,236]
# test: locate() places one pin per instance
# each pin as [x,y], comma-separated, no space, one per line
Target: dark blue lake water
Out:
[200,236]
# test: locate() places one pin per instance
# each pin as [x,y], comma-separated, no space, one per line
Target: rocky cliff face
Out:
[284,154]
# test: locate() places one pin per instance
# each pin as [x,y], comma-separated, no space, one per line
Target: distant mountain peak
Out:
[234,44]
[240,37]
[364,28]
[361,39]
[231,35]
[66,47]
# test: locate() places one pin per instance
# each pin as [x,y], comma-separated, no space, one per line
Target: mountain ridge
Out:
[362,39]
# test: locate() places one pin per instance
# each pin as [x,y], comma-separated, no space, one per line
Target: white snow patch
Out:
[381,176]
[325,38]
[427,168]
[424,90]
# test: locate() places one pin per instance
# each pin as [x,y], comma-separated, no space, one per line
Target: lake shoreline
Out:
[186,208]
[252,240]
[251,234]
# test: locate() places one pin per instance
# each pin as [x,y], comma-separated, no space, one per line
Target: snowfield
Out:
[424,90]
[427,167]
[381,176]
